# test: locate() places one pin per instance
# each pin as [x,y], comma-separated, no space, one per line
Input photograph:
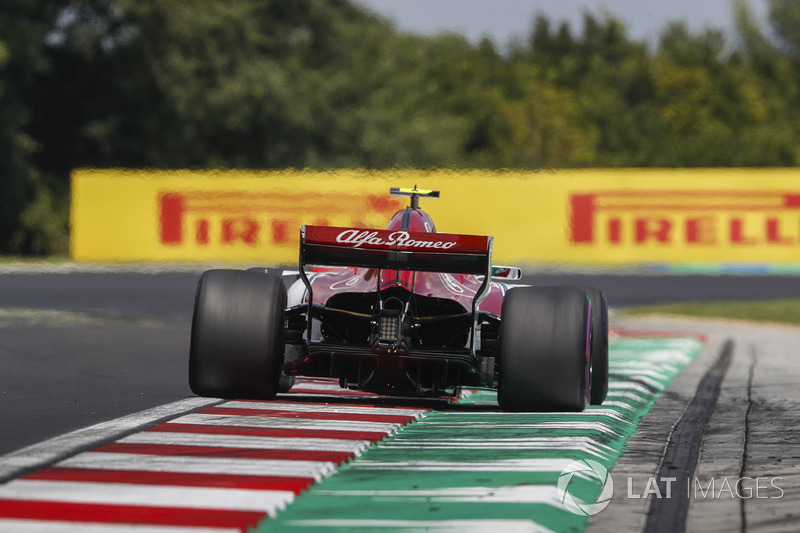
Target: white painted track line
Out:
[231,499]
[50,451]
[199,465]
[544,494]
[243,441]
[289,423]
[502,465]
[585,426]
[438,526]
[41,526]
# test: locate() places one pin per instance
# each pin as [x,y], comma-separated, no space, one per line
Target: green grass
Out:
[785,311]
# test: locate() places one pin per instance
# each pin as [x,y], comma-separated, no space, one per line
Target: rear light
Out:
[389,327]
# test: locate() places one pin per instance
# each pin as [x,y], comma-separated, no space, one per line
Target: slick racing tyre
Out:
[544,352]
[237,335]
[598,389]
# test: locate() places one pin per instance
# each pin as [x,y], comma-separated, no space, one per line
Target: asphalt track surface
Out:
[81,348]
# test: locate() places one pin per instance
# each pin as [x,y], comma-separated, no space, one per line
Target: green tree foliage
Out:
[22,59]
[306,83]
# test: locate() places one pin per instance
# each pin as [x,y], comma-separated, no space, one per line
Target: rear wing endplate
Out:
[395,250]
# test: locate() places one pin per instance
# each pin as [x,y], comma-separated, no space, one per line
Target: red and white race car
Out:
[403,311]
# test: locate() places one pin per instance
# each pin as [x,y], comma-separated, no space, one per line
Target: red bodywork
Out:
[397,313]
[460,288]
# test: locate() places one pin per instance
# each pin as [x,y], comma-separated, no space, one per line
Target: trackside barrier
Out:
[585,217]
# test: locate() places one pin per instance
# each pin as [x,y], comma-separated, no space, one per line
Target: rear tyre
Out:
[237,335]
[598,390]
[544,352]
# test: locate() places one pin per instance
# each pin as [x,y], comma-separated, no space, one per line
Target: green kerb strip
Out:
[473,467]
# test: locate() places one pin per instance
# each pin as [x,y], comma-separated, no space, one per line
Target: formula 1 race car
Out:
[404,311]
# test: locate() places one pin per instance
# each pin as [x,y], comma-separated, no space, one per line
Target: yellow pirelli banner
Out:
[586,217]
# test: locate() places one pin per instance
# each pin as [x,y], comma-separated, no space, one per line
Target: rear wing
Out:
[396,250]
